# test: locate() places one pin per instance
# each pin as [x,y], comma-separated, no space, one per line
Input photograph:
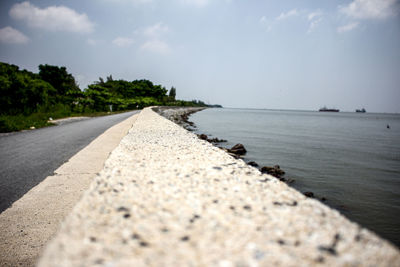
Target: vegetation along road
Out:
[28,157]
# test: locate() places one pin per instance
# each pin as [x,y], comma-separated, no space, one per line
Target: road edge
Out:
[34,219]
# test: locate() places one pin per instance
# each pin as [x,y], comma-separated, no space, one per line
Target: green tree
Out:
[172,93]
[61,80]
[21,91]
[99,97]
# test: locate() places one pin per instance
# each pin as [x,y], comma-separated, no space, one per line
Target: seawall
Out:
[167,198]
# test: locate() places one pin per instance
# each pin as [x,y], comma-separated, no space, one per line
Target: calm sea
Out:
[351,159]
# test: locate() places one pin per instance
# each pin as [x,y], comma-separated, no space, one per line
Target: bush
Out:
[10,123]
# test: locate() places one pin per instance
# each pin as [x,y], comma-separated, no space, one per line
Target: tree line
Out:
[53,91]
[22,91]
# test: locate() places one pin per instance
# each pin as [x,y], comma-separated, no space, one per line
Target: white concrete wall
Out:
[166,198]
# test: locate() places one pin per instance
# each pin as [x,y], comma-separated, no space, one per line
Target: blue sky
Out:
[239,53]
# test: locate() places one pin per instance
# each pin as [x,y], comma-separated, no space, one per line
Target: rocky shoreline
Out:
[180,115]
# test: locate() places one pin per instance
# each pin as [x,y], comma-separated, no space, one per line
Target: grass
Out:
[39,119]
[12,123]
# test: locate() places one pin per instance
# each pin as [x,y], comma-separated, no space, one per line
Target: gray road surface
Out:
[26,158]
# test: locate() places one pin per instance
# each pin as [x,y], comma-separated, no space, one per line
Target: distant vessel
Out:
[325,109]
[361,110]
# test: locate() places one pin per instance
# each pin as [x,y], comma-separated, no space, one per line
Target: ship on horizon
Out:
[325,109]
[361,110]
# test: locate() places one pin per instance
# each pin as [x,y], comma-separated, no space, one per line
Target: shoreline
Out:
[344,207]
[167,198]
[180,116]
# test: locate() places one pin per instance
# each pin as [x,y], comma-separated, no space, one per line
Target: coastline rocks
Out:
[274,171]
[238,149]
[252,163]
[213,140]
[216,140]
[179,115]
[309,194]
[203,137]
[185,118]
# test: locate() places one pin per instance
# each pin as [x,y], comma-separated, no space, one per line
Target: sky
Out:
[298,54]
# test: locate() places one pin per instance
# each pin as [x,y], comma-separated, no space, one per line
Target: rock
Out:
[216,140]
[274,171]
[252,163]
[238,149]
[266,169]
[203,137]
[309,194]
[213,140]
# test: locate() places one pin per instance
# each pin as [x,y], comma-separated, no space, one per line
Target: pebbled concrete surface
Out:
[166,198]
[33,220]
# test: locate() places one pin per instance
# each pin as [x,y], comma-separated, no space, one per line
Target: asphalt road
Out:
[28,157]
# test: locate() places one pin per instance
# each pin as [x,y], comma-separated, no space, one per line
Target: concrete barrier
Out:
[166,198]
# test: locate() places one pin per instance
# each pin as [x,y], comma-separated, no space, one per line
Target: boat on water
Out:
[325,109]
[361,110]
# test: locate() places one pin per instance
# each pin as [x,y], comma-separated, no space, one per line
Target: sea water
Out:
[351,159]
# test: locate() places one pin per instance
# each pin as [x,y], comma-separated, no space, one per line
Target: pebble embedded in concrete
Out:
[167,198]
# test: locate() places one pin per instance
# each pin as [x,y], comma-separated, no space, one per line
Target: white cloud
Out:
[123,41]
[156,46]
[314,23]
[156,31]
[370,9]
[288,14]
[52,18]
[315,18]
[347,27]
[314,15]
[154,36]
[10,35]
